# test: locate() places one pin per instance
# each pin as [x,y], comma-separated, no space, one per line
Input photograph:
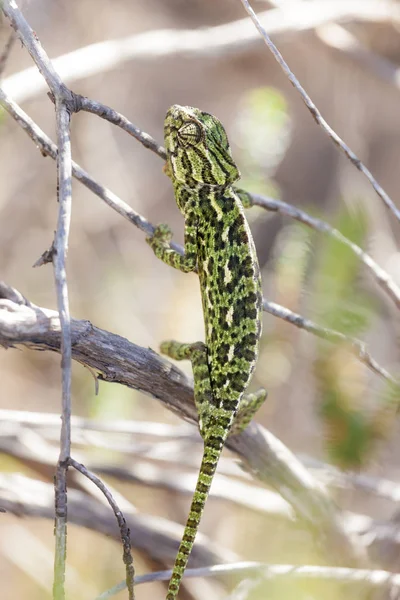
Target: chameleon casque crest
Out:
[218,243]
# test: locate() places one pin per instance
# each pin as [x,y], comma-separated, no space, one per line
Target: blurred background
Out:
[323,403]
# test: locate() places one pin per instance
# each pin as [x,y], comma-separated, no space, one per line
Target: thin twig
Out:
[317,115]
[357,347]
[33,451]
[124,529]
[231,38]
[154,537]
[40,420]
[380,275]
[45,424]
[49,148]
[372,579]
[61,244]
[63,98]
[334,477]
[114,117]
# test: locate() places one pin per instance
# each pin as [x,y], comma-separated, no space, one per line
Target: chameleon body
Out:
[218,243]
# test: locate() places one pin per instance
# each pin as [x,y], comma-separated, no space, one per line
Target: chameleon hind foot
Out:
[179,351]
[249,405]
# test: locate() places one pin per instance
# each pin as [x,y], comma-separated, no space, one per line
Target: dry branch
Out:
[124,529]
[118,360]
[115,359]
[26,441]
[365,579]
[156,537]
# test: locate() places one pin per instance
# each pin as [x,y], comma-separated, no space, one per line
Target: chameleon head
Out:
[198,151]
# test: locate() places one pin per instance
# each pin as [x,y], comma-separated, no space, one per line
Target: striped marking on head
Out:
[197,147]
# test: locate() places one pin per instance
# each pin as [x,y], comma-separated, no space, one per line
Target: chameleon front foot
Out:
[160,242]
[244,197]
[162,235]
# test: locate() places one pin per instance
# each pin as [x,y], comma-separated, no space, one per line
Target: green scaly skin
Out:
[219,244]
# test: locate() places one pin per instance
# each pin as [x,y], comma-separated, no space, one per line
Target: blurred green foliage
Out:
[355,413]
[262,115]
[345,404]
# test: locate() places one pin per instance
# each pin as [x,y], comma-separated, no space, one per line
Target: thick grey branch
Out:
[118,360]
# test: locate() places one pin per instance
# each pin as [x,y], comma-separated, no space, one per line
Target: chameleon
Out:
[219,245]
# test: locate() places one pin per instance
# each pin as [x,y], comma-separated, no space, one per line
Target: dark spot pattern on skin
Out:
[233,263]
[216,442]
[237,232]
[246,353]
[225,422]
[231,286]
[236,384]
[187,537]
[213,442]
[222,317]
[202,488]
[250,339]
[219,243]
[229,405]
[223,351]
[192,523]
[180,562]
[227,204]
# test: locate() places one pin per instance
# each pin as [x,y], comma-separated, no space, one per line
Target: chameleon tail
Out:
[209,463]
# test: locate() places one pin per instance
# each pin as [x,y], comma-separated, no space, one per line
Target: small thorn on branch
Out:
[46,257]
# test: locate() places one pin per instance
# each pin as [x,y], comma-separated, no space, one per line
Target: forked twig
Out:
[124,529]
[62,97]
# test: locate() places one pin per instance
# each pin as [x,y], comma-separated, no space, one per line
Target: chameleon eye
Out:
[190,134]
